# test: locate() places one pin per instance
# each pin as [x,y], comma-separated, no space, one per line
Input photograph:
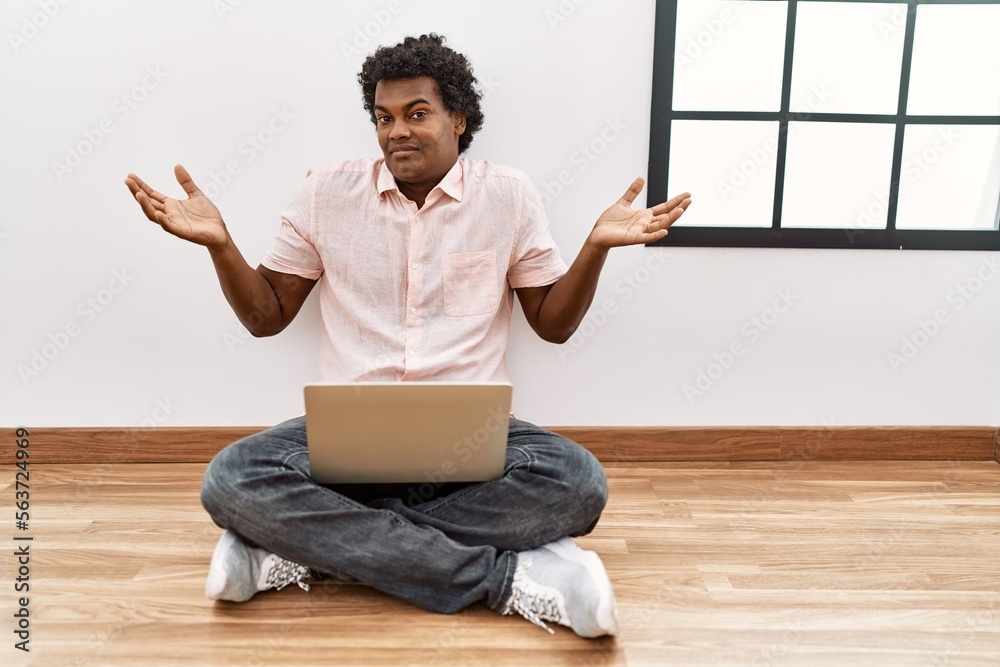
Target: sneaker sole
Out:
[216,581]
[607,609]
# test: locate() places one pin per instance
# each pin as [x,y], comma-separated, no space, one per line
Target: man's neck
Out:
[416,193]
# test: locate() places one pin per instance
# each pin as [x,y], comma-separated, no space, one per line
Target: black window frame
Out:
[662,114]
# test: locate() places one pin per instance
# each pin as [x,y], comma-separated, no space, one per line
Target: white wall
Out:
[166,349]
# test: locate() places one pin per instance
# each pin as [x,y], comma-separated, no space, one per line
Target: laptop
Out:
[404,432]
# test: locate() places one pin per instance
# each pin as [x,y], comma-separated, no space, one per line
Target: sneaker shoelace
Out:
[285,572]
[533,604]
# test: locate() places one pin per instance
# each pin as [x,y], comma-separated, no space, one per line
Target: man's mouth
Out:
[402,149]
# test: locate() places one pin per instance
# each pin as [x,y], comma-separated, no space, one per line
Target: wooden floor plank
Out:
[802,563]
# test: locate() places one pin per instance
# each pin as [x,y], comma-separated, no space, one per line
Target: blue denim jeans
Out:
[442,547]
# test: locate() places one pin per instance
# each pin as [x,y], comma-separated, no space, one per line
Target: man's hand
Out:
[555,311]
[194,219]
[623,225]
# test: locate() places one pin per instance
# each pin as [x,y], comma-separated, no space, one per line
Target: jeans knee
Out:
[210,488]
[586,477]
[596,491]
[216,485]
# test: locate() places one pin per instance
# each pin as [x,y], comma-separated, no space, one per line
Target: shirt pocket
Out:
[470,282]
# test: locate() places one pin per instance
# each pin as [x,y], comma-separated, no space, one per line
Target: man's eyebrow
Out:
[408,105]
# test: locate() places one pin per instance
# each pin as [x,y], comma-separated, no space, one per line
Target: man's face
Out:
[418,135]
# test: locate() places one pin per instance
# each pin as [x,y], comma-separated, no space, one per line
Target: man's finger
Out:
[680,201]
[673,203]
[632,192]
[660,222]
[184,178]
[674,213]
[647,237]
[160,218]
[664,220]
[149,206]
[141,185]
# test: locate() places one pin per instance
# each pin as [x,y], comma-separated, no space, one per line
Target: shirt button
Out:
[413,351]
[413,310]
[413,266]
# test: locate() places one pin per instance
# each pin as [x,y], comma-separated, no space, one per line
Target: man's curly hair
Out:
[427,56]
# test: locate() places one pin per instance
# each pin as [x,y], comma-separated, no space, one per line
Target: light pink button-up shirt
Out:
[416,294]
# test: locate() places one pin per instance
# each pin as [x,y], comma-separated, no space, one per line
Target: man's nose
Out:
[400,130]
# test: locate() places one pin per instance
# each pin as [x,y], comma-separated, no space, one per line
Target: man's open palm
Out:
[194,219]
[623,225]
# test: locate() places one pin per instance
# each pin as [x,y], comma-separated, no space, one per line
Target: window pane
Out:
[729,55]
[728,167]
[950,177]
[846,61]
[956,61]
[837,175]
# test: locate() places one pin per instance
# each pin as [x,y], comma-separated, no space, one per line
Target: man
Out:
[417,257]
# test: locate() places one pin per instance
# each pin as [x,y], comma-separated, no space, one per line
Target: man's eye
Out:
[383,119]
[419,114]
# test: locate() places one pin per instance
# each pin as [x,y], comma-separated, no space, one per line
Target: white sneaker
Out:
[238,571]
[562,583]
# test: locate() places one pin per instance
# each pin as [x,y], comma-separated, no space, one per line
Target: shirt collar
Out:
[452,184]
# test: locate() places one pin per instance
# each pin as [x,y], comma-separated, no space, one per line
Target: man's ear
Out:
[458,120]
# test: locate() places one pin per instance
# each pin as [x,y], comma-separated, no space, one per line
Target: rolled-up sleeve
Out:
[535,260]
[293,250]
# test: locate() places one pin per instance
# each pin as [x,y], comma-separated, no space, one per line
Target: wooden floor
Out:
[760,564]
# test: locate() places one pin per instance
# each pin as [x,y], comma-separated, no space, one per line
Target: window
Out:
[819,124]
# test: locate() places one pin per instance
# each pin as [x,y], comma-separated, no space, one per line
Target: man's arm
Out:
[265,301]
[555,311]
